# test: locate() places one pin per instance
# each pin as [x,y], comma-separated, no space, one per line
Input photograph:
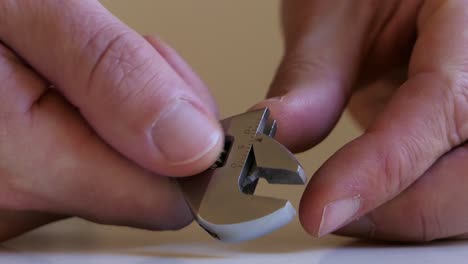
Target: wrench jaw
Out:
[275,163]
[232,216]
[249,229]
[221,198]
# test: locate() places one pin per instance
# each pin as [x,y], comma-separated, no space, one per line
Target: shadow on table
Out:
[82,238]
[191,243]
[382,253]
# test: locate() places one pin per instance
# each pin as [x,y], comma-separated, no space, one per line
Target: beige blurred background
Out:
[235,45]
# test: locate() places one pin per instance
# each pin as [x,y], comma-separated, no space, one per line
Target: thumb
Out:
[313,81]
[130,94]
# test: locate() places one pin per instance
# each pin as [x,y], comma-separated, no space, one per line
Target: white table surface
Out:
[77,241]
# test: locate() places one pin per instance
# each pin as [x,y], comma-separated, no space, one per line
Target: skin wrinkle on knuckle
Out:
[294,66]
[137,79]
[129,74]
[430,225]
[109,59]
[397,161]
[94,43]
[424,230]
[144,97]
[449,111]
[373,232]
[453,102]
[13,194]
[400,162]
[440,229]
[297,64]
[458,100]
[424,222]
[133,70]
[289,69]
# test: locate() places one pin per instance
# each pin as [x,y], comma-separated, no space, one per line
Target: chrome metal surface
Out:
[222,199]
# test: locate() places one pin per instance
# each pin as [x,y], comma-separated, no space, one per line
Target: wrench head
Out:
[221,198]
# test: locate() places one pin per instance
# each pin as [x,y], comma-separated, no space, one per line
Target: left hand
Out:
[125,113]
[406,177]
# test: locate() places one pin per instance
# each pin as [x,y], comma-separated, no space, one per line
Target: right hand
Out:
[405,65]
[123,111]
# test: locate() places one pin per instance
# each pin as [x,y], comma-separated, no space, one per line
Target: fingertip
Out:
[198,164]
[305,116]
[190,142]
[306,219]
[189,134]
[311,208]
[330,199]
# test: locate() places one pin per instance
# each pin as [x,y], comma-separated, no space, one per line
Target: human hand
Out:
[123,111]
[405,63]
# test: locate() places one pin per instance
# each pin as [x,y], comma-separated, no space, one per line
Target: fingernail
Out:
[362,227]
[275,99]
[338,213]
[267,102]
[184,134]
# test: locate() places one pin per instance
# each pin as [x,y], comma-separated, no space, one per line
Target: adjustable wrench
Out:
[221,198]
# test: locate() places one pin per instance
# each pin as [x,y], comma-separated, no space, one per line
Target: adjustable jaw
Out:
[221,198]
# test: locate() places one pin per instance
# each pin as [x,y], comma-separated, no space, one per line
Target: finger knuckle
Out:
[414,222]
[123,69]
[128,76]
[423,220]
[398,163]
[12,196]
[299,65]
[430,225]
[295,66]
[457,107]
